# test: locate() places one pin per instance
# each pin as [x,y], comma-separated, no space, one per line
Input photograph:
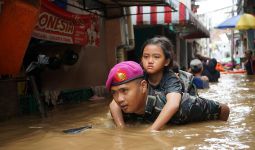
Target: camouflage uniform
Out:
[192,108]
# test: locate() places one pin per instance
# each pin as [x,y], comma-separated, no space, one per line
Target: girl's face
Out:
[153,59]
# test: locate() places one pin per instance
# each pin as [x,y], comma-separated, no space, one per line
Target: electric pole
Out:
[232,39]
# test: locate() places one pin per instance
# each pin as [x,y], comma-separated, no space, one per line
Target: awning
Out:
[183,20]
[110,8]
[17,21]
[125,3]
[114,8]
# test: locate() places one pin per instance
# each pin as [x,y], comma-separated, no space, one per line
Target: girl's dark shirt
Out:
[169,83]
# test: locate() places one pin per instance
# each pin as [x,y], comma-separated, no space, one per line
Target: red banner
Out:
[56,24]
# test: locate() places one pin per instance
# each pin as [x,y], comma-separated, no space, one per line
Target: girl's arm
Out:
[170,108]
[116,113]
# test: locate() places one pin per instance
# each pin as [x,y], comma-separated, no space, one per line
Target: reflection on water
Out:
[30,133]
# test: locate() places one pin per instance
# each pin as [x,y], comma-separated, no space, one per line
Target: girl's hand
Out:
[170,108]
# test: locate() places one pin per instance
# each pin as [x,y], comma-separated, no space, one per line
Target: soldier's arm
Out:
[117,115]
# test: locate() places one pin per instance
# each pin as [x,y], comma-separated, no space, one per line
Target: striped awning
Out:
[183,19]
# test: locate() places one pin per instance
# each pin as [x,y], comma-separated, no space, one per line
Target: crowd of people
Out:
[204,72]
[207,70]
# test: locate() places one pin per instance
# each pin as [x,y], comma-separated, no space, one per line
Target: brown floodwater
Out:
[33,133]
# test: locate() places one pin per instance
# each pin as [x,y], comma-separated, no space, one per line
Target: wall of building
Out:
[9,104]
[183,54]
[112,40]
[93,64]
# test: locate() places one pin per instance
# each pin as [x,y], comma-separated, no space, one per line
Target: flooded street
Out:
[30,133]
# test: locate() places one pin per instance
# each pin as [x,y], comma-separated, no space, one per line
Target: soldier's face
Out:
[130,96]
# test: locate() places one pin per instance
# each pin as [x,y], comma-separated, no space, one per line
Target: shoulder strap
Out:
[150,103]
[187,79]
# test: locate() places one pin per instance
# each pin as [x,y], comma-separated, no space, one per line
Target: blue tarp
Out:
[229,23]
